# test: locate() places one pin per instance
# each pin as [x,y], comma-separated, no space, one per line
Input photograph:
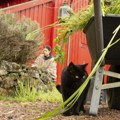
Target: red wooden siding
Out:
[79,53]
[45,12]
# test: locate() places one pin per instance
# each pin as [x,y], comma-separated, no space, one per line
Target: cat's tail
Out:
[59,88]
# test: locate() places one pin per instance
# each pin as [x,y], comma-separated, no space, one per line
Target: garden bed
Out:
[11,110]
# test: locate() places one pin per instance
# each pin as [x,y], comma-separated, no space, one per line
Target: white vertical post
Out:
[96,91]
[64,12]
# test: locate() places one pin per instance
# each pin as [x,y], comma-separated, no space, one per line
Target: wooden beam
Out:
[112,74]
[25,5]
[110,85]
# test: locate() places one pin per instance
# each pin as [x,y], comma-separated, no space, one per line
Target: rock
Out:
[6,92]
[10,66]
[3,72]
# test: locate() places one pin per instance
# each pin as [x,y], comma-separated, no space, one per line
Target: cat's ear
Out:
[84,65]
[71,65]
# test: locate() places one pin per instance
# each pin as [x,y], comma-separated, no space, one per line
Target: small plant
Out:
[51,96]
[25,91]
[77,21]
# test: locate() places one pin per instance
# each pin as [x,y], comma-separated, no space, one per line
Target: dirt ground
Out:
[11,110]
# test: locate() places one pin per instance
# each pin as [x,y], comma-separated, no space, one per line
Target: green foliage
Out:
[53,96]
[113,7]
[60,55]
[69,25]
[5,98]
[25,94]
[28,92]
[77,21]
[25,90]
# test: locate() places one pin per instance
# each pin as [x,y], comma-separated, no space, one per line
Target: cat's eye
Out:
[84,77]
[77,77]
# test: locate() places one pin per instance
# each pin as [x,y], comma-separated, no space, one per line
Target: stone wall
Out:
[11,74]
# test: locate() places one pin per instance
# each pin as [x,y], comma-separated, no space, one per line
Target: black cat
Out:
[72,78]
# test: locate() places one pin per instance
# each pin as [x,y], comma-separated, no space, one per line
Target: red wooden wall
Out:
[45,12]
[7,3]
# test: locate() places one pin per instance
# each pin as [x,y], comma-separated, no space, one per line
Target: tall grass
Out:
[25,93]
[53,96]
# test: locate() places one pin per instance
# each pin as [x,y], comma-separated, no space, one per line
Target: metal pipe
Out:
[98,27]
[68,52]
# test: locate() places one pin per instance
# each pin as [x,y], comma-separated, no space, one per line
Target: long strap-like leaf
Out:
[71,100]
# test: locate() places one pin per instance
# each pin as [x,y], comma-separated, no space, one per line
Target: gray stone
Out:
[3,72]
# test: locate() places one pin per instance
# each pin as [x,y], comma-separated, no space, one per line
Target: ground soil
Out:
[11,110]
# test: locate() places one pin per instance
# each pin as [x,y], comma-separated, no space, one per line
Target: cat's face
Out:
[77,71]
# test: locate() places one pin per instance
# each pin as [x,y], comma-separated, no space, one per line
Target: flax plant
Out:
[25,91]
[72,99]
